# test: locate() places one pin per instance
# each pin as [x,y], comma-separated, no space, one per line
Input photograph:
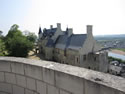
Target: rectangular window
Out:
[64,52]
[77,59]
[84,57]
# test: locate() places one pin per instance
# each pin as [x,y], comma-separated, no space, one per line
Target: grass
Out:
[121,49]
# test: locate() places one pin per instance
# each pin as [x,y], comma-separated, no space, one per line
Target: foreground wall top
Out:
[104,79]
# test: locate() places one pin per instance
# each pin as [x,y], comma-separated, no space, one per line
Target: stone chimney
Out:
[69,31]
[58,26]
[51,26]
[89,30]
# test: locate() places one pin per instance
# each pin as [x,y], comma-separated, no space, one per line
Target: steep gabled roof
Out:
[50,43]
[61,42]
[75,41]
[49,32]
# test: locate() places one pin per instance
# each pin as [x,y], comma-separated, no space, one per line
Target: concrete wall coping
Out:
[105,79]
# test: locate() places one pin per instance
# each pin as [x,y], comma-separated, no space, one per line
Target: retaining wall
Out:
[27,76]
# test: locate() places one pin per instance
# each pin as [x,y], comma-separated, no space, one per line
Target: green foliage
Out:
[14,31]
[1,33]
[122,49]
[2,45]
[31,37]
[115,59]
[16,43]
[2,48]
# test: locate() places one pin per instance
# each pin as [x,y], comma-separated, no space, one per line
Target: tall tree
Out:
[30,36]
[2,48]
[16,43]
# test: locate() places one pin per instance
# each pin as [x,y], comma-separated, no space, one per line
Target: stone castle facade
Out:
[74,49]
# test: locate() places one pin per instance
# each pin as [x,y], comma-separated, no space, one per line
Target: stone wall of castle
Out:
[27,76]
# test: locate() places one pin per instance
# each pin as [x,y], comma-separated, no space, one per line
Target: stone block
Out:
[17,68]
[10,78]
[64,92]
[2,77]
[3,93]
[18,90]
[41,87]
[48,76]
[21,80]
[33,71]
[5,66]
[29,91]
[92,88]
[52,90]
[108,90]
[6,88]
[31,83]
[70,83]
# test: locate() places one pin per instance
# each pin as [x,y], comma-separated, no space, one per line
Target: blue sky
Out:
[13,12]
[106,16]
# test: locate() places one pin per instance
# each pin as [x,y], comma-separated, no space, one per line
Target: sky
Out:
[106,16]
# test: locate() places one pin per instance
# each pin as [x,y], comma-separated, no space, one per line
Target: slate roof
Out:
[50,43]
[49,32]
[61,42]
[75,41]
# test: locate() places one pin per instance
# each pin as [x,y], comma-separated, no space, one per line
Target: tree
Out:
[2,48]
[2,44]
[14,31]
[30,36]
[1,33]
[16,43]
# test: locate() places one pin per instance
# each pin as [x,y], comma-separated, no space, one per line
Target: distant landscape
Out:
[113,41]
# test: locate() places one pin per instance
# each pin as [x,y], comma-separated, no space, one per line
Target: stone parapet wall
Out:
[27,76]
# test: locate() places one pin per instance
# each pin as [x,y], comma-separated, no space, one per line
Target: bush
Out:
[115,59]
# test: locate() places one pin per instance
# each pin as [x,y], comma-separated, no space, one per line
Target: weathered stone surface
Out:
[2,76]
[21,80]
[18,90]
[58,79]
[3,93]
[69,83]
[17,68]
[5,66]
[48,76]
[92,88]
[6,87]
[31,83]
[64,92]
[52,90]
[33,71]
[10,78]
[41,87]
[29,92]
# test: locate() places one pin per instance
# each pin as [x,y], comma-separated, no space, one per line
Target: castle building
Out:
[74,49]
